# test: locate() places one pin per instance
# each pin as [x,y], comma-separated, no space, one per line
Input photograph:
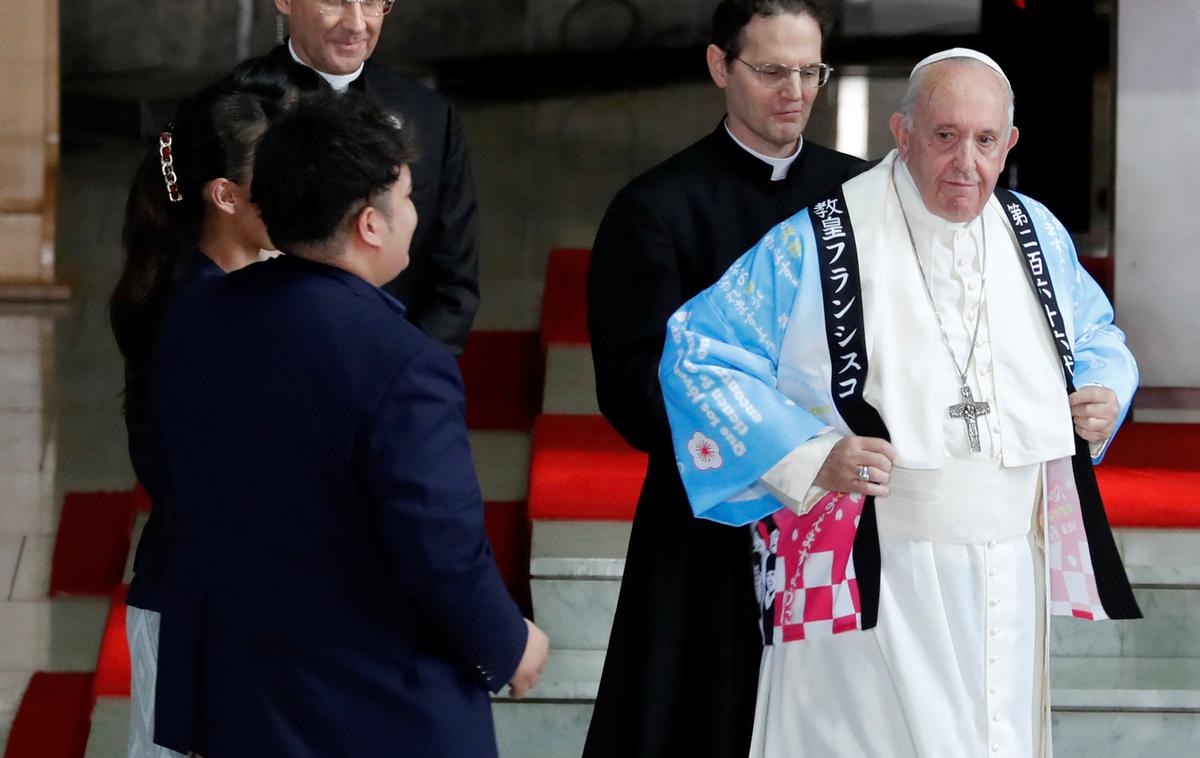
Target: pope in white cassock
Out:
[903,391]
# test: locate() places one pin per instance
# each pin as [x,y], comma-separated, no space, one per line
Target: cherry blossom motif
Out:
[705,452]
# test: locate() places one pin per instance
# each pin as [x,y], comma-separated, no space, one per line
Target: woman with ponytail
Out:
[188,217]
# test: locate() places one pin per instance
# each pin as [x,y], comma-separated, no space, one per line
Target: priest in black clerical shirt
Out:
[681,673]
[440,287]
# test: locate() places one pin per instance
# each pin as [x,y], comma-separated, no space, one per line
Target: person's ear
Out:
[368,226]
[718,61]
[900,134]
[222,195]
[284,7]
[1012,139]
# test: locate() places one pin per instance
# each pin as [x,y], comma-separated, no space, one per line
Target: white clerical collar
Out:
[779,166]
[339,82]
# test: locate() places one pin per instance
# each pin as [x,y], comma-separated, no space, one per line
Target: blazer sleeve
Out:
[430,516]
[634,286]
[446,307]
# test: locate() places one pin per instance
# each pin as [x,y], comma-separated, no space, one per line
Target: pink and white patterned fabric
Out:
[804,566]
[804,570]
[1073,589]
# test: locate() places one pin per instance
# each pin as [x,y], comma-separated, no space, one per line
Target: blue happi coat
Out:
[731,422]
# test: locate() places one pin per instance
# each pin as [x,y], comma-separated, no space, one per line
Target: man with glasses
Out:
[440,287]
[682,666]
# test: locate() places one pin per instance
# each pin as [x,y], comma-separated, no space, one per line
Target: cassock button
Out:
[993,572]
[992,689]
[996,717]
[993,659]
[994,631]
[993,603]
[991,543]
[996,748]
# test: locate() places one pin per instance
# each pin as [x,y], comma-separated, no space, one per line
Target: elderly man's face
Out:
[769,120]
[334,43]
[959,139]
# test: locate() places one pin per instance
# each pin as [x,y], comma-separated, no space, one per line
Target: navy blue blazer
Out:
[331,589]
[145,590]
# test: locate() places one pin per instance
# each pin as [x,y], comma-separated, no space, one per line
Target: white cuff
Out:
[1096,449]
[791,480]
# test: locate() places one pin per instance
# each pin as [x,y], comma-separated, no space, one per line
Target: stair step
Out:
[1159,547]
[574,598]
[109,734]
[1113,707]
[1167,631]
[1113,684]
[1126,707]
[570,380]
[576,613]
[552,721]
[583,549]
[576,567]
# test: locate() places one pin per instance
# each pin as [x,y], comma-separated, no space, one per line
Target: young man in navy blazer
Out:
[333,590]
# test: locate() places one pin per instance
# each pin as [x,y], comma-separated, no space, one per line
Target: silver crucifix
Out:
[969,410]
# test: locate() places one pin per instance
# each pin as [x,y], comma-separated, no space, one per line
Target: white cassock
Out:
[957,664]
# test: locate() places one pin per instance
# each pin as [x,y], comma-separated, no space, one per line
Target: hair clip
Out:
[168,166]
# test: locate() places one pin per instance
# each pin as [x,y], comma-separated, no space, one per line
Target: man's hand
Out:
[840,471]
[537,649]
[1094,411]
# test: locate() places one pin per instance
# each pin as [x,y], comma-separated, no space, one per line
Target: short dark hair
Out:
[731,17]
[327,158]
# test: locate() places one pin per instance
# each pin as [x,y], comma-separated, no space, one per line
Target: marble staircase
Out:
[1119,688]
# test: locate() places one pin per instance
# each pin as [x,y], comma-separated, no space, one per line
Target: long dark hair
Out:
[213,135]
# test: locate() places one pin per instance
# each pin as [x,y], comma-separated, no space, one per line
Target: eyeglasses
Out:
[369,8]
[775,75]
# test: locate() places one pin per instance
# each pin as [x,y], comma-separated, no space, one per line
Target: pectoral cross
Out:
[969,410]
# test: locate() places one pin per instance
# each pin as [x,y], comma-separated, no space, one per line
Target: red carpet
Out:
[1173,447]
[1151,476]
[54,717]
[1150,497]
[1101,270]
[112,667]
[564,299]
[582,469]
[503,373]
[508,530]
[141,498]
[92,544]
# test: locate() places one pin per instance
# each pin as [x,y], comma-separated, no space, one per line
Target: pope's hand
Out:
[840,472]
[537,650]
[1094,411]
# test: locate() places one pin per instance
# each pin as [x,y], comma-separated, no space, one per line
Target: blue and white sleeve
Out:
[729,422]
